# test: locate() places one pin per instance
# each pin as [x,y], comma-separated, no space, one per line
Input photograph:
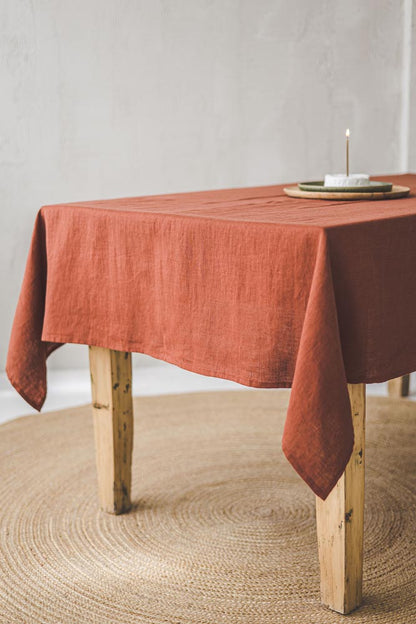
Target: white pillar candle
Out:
[340,179]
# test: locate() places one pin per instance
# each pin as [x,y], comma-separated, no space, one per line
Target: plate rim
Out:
[398,191]
[373,187]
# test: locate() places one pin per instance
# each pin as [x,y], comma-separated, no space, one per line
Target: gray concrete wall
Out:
[107,98]
[410,76]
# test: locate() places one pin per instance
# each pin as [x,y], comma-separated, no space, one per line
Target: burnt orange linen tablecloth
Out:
[245,284]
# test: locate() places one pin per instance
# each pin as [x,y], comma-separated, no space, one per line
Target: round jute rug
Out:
[222,529]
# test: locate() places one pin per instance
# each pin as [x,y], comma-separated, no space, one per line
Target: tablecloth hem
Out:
[200,370]
[318,489]
[37,405]
[370,379]
[181,363]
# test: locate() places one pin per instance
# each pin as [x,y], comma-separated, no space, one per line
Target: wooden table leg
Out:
[113,426]
[340,523]
[399,387]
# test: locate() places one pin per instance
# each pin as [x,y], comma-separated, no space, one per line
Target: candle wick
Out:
[348,152]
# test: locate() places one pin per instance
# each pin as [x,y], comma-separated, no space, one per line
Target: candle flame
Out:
[347,132]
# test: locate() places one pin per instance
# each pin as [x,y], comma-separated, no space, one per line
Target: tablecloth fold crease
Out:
[319,388]
[27,355]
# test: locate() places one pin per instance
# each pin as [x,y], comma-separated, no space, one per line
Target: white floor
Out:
[71,387]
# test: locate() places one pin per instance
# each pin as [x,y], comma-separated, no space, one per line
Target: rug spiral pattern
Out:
[222,530]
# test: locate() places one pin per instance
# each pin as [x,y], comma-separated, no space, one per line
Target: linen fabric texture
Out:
[244,284]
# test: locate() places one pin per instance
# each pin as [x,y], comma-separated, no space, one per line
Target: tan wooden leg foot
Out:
[340,523]
[399,387]
[113,426]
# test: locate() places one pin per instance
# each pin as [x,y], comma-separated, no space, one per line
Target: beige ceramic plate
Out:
[395,193]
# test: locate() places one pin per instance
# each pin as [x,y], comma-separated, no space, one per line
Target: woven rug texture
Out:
[222,530]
